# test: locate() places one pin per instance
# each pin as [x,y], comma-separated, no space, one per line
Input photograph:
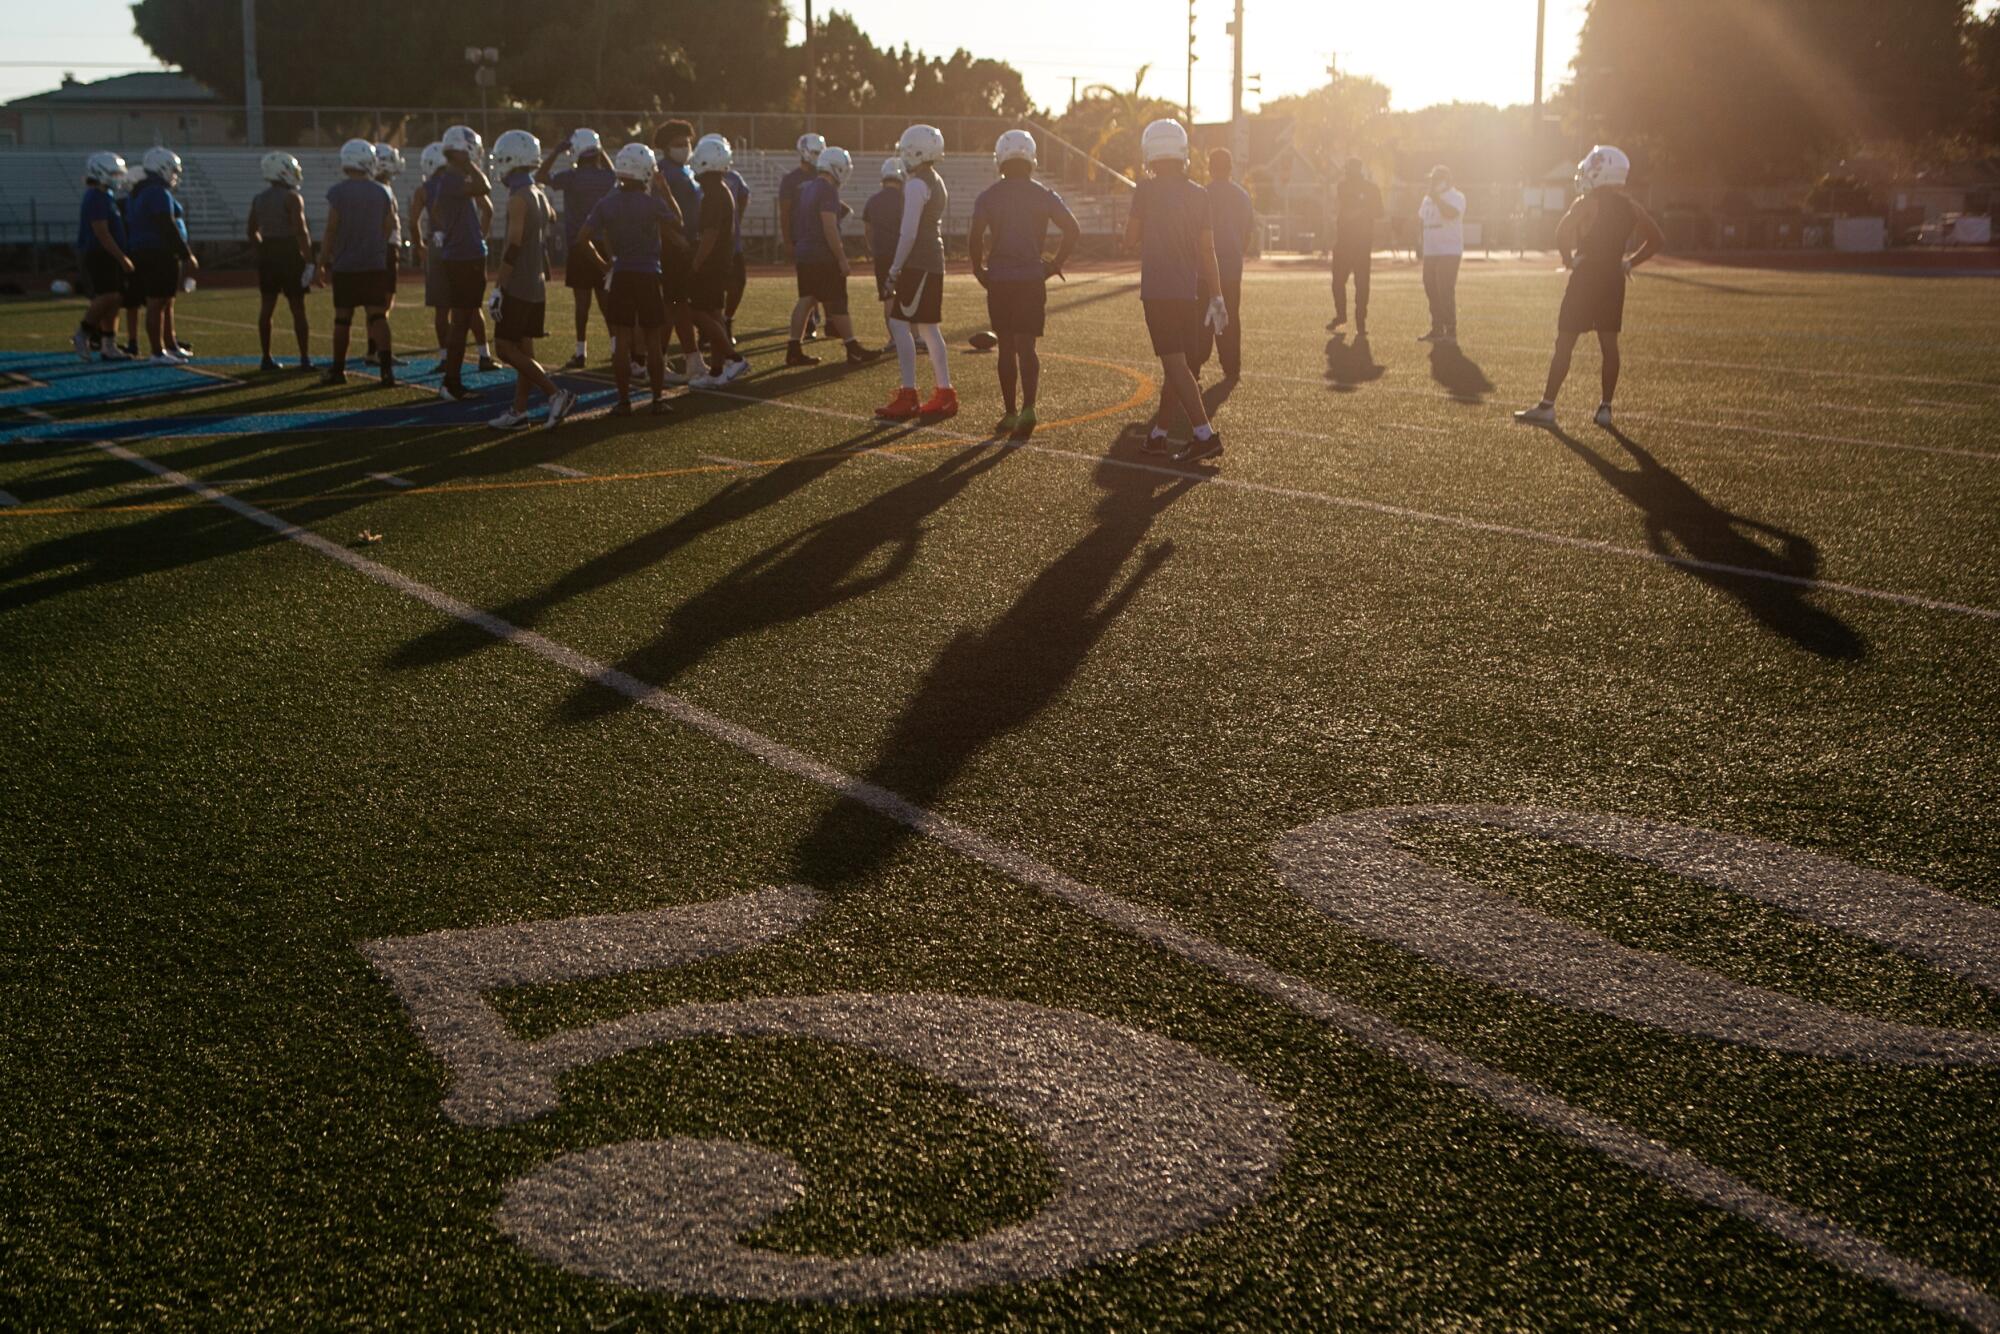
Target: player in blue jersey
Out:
[100,248]
[156,232]
[586,180]
[1171,229]
[881,223]
[360,219]
[1017,212]
[634,223]
[458,211]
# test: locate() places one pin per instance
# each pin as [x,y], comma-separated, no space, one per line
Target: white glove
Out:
[609,274]
[895,278]
[493,304]
[306,278]
[1218,314]
[437,241]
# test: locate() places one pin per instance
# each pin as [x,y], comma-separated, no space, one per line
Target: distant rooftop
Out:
[148,86]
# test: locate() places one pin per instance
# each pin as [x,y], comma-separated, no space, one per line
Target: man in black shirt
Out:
[1357,203]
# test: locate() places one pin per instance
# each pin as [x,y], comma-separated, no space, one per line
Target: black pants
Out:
[1229,343]
[1441,289]
[1351,263]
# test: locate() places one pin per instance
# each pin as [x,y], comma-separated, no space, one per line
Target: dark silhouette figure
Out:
[993,681]
[1720,549]
[848,556]
[1351,365]
[1458,374]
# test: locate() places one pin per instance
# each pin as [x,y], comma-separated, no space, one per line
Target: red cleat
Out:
[943,403]
[900,408]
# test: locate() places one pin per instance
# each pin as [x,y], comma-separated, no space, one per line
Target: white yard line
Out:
[1458,521]
[561,471]
[390,479]
[1831,1242]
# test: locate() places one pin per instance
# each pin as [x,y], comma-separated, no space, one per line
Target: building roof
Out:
[146,86]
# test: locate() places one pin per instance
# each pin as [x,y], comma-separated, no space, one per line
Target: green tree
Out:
[1982,44]
[1107,121]
[1343,118]
[1749,90]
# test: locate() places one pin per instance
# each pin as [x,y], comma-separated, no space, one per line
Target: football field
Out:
[759,868]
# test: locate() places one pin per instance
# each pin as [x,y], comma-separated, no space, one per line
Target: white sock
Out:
[934,340]
[1157,433]
[906,351]
[1203,432]
[582,348]
[483,353]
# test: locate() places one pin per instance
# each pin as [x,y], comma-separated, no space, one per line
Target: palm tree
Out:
[1107,116]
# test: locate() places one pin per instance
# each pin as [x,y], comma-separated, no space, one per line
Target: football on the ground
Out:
[984,341]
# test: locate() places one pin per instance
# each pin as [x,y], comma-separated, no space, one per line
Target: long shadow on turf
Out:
[992,681]
[1683,523]
[849,556]
[1351,365]
[1459,375]
[738,500]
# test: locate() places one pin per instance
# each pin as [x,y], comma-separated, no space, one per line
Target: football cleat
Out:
[943,402]
[1541,414]
[901,408]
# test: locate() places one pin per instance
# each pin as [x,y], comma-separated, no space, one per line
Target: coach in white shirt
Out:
[1442,216]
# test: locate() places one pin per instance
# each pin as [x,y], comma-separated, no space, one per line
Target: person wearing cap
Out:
[1442,219]
[587,179]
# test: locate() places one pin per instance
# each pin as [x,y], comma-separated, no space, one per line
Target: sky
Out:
[1486,55]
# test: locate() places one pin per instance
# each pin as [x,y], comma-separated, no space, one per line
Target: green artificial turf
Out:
[226,762]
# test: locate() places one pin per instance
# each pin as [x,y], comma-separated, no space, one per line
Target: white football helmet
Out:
[514,151]
[134,173]
[283,169]
[837,163]
[810,147]
[894,170]
[1014,146]
[388,160]
[635,162]
[164,163]
[920,146]
[105,169]
[711,153]
[1164,140]
[463,139]
[357,155]
[431,161]
[584,142]
[1604,166]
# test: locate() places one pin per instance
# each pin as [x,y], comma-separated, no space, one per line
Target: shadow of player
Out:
[1459,375]
[1349,365]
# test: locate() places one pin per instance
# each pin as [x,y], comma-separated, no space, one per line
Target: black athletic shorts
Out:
[822,280]
[102,275]
[279,267]
[159,273]
[519,319]
[581,271]
[676,275]
[884,289]
[365,289]
[708,289]
[919,297]
[1175,326]
[1017,307]
[464,283]
[635,301]
[1594,301]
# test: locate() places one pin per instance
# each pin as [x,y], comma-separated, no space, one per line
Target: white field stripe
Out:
[390,479]
[1458,521]
[8,499]
[561,471]
[1821,1236]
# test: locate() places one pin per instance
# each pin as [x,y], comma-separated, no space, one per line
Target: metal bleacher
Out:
[40,190]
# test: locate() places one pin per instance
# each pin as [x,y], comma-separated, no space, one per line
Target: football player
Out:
[739,270]
[388,166]
[459,211]
[1170,228]
[430,258]
[636,221]
[1233,218]
[360,219]
[673,146]
[803,311]
[820,253]
[1357,204]
[520,293]
[916,275]
[278,232]
[587,179]
[131,299]
[709,271]
[156,227]
[1018,210]
[100,247]
[881,222]
[1595,238]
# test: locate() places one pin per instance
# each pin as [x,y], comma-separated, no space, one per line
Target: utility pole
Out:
[812,69]
[1192,57]
[1541,41]
[1239,128]
[253,87]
